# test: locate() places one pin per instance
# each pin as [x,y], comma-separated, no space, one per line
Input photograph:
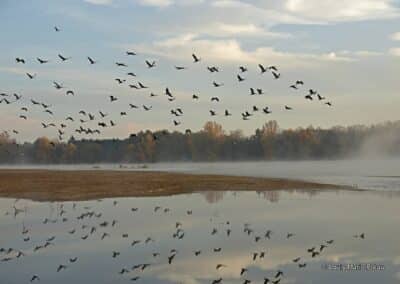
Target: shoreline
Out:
[80,185]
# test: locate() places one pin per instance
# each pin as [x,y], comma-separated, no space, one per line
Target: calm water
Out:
[312,218]
[376,174]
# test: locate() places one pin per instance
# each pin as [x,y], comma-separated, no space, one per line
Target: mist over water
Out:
[368,173]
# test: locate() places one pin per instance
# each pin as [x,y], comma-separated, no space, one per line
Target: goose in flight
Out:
[213,69]
[120,81]
[150,64]
[195,58]
[31,76]
[215,84]
[131,53]
[180,67]
[20,60]
[262,68]
[5,100]
[91,61]
[147,108]
[272,67]
[61,267]
[133,106]
[57,85]
[120,64]
[63,58]
[42,61]
[219,266]
[142,86]
[17,97]
[302,265]
[276,75]
[35,278]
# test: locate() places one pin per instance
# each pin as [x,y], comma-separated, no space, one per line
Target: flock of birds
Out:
[87,223]
[100,118]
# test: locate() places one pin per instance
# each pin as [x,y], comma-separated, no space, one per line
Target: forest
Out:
[212,143]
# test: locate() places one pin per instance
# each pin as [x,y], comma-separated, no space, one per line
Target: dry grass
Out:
[45,185]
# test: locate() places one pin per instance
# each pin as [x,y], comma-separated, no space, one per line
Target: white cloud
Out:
[99,2]
[342,10]
[156,3]
[223,29]
[230,51]
[395,51]
[361,53]
[395,36]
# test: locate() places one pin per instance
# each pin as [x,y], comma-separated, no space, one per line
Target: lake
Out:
[131,240]
[375,174]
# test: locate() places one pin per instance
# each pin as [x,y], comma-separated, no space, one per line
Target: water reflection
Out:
[237,223]
[273,196]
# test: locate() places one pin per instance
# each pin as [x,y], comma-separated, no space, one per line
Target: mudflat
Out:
[52,185]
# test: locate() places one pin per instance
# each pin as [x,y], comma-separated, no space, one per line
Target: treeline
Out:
[212,143]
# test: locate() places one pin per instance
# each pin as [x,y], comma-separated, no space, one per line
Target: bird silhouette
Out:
[63,58]
[91,61]
[42,61]
[240,79]
[31,76]
[262,68]
[120,64]
[20,60]
[150,64]
[35,278]
[195,58]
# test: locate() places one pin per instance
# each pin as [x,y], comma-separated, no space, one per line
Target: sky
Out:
[348,51]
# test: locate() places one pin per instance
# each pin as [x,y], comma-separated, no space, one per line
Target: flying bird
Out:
[195,58]
[91,61]
[63,58]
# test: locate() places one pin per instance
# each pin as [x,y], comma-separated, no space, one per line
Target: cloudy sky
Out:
[348,51]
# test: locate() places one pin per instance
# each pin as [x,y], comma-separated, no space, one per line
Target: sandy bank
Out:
[45,185]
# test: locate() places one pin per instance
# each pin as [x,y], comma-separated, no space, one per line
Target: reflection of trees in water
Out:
[270,195]
[213,196]
[274,195]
